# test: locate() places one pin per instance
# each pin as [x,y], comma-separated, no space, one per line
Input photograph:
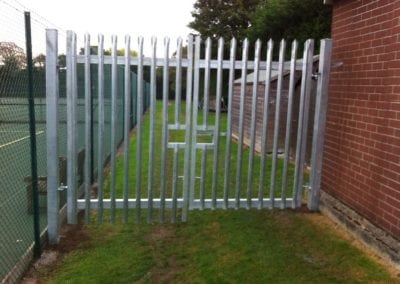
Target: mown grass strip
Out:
[232,246]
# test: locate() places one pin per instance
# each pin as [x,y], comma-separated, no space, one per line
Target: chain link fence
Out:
[17,208]
[17,231]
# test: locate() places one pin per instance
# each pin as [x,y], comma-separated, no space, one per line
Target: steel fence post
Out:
[321,106]
[52,94]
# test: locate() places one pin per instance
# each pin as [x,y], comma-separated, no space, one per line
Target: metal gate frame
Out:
[194,64]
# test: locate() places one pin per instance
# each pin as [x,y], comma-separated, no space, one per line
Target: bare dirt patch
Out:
[161,233]
[166,265]
[71,237]
[162,275]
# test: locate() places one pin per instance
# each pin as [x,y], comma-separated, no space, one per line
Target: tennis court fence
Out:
[23,155]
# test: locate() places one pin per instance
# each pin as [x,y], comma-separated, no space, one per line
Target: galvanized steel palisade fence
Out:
[184,196]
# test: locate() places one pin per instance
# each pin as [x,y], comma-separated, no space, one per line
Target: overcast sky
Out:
[136,17]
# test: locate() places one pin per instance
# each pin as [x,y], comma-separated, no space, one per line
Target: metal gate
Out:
[191,152]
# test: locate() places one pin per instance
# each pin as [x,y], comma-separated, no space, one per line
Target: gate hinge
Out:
[62,187]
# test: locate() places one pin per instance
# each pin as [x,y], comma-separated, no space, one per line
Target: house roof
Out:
[274,73]
[261,76]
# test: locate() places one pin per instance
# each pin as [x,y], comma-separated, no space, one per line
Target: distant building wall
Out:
[362,146]
[271,114]
[259,116]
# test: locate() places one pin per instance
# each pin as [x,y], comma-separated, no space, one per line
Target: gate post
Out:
[72,155]
[53,218]
[303,122]
[319,123]
[188,121]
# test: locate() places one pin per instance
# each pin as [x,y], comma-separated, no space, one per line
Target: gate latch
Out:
[316,75]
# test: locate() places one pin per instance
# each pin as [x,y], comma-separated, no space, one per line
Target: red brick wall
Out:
[362,150]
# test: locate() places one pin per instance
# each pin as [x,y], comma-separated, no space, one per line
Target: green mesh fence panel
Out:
[107,107]
[16,210]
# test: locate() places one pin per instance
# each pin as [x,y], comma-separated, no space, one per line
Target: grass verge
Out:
[233,246]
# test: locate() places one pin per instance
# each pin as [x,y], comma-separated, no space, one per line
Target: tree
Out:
[223,18]
[62,61]
[94,51]
[40,60]
[291,19]
[121,52]
[264,19]
[12,57]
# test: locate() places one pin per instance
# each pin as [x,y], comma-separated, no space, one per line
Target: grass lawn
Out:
[233,246]
[179,136]
[217,246]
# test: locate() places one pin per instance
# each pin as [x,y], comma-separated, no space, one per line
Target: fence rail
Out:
[184,62]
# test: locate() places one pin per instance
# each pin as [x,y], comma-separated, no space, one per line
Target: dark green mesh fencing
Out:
[95,107]
[16,208]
